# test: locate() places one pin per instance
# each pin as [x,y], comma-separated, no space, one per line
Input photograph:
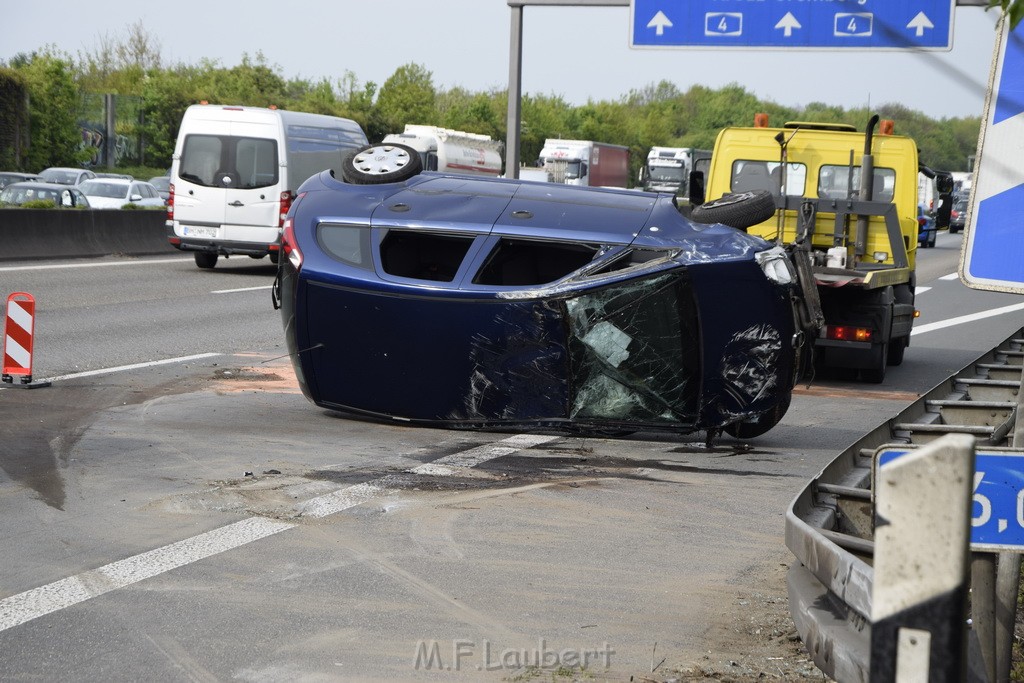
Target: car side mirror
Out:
[136,197]
[66,199]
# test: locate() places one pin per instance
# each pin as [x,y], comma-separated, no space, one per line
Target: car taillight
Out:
[170,202]
[921,220]
[286,204]
[848,333]
[289,246]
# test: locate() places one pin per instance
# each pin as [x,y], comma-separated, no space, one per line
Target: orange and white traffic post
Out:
[18,333]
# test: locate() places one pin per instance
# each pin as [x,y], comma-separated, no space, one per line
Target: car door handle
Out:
[236,203]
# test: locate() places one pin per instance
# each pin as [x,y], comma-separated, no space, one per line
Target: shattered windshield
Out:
[635,352]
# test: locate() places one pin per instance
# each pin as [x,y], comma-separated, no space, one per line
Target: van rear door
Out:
[253,178]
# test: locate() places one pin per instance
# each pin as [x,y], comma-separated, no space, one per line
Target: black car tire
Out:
[737,210]
[206,259]
[382,163]
[754,427]
[932,238]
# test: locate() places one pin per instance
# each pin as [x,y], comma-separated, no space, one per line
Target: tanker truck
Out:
[451,151]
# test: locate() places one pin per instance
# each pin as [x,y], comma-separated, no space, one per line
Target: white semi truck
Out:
[452,151]
[668,168]
[584,162]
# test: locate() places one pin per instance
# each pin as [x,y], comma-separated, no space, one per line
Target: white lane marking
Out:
[58,595]
[53,597]
[240,289]
[140,262]
[922,290]
[951,276]
[981,315]
[135,366]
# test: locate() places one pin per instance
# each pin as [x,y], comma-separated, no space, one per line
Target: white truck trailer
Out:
[584,162]
[452,151]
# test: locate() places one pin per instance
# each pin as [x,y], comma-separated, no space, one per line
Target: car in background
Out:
[62,196]
[120,176]
[926,230]
[9,177]
[958,215]
[66,176]
[162,183]
[114,193]
[461,302]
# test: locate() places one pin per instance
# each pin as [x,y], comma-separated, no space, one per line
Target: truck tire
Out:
[896,349]
[381,163]
[754,427]
[206,259]
[737,210]
[880,358]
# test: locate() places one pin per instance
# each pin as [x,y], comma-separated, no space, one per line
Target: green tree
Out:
[14,119]
[54,136]
[408,96]
[1013,8]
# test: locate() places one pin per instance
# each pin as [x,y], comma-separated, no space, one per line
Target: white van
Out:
[235,171]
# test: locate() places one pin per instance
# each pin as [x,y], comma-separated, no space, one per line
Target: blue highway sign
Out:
[997,512]
[840,24]
[993,254]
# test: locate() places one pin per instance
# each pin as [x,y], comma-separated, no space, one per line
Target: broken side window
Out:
[423,255]
[524,263]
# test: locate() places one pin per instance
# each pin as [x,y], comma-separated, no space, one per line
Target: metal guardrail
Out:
[829,525]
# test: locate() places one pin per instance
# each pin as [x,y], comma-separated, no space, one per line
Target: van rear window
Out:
[229,161]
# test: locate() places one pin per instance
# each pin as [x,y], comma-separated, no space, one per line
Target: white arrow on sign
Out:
[788,22]
[920,23]
[659,23]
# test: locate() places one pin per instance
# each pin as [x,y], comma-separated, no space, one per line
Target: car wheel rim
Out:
[381,160]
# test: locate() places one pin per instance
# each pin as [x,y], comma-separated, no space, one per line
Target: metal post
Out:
[1007,585]
[515,92]
[983,608]
[110,135]
[922,537]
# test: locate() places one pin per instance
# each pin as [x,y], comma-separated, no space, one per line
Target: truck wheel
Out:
[748,429]
[896,349]
[206,259]
[383,163]
[876,373]
[737,210]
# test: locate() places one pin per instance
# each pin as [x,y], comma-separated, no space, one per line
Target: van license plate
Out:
[192,231]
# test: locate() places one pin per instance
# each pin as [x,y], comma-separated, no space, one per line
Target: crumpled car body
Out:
[473,303]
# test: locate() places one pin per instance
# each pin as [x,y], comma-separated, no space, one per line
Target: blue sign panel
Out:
[997,512]
[858,24]
[994,248]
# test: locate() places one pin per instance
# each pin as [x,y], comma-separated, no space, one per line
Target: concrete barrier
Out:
[70,233]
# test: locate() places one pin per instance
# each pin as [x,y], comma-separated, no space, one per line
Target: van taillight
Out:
[170,202]
[289,246]
[286,204]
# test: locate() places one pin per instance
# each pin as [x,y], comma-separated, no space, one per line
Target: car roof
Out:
[38,184]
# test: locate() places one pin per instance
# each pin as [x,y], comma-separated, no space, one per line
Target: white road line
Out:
[240,289]
[140,262]
[53,597]
[951,276]
[981,315]
[135,366]
[922,290]
[58,595]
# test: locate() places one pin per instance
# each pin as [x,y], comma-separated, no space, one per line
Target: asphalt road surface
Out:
[194,518]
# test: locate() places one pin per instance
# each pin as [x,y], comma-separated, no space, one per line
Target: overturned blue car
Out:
[461,302]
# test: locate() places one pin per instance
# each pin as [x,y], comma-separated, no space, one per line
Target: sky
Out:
[578,53]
